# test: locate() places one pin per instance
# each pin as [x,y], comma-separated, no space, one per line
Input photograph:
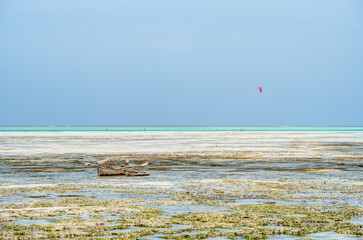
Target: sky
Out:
[181,62]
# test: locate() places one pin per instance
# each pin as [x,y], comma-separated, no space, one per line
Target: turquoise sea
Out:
[146,128]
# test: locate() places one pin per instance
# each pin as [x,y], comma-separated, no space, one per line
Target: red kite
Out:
[260,89]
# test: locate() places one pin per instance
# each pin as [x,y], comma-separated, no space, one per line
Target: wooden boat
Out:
[128,170]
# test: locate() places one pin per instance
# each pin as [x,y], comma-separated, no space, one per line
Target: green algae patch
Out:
[253,221]
[73,225]
[286,190]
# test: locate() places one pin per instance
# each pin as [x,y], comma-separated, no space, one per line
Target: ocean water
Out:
[147,128]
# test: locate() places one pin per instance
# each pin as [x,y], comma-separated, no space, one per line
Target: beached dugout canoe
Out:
[128,170]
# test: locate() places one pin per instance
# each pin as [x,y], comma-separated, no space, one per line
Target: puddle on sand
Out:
[176,227]
[221,238]
[107,216]
[269,218]
[284,237]
[358,221]
[331,236]
[126,230]
[85,216]
[181,209]
[163,216]
[191,233]
[179,226]
[229,230]
[143,202]
[295,215]
[128,196]
[317,236]
[100,237]
[157,236]
[251,201]
[28,222]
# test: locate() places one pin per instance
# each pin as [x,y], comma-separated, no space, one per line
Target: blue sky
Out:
[189,62]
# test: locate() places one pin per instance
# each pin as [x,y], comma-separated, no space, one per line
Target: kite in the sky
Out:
[260,89]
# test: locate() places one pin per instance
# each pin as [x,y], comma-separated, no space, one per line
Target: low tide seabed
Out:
[202,185]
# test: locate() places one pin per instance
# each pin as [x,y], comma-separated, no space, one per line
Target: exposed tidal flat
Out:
[202,185]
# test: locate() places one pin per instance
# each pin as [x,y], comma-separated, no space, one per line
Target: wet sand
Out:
[202,185]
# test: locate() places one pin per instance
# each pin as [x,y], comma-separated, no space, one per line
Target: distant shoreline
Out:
[146,128]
